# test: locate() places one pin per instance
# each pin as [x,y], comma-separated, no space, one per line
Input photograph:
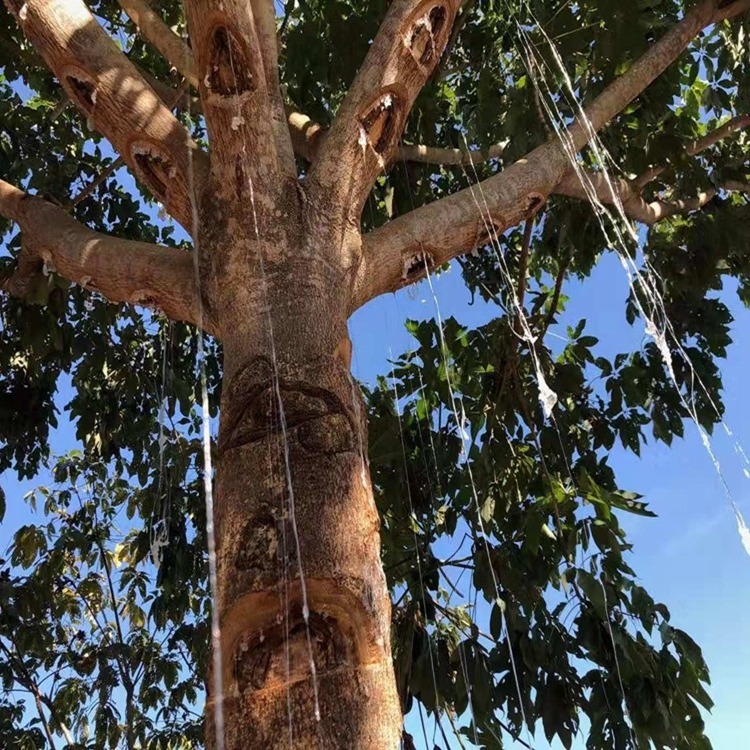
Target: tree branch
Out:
[368,126]
[449,156]
[634,206]
[728,129]
[108,89]
[398,253]
[238,84]
[120,270]
[27,680]
[159,35]
[306,135]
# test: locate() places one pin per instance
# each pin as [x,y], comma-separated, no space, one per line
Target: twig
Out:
[562,270]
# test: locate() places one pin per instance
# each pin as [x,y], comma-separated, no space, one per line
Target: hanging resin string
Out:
[237,124]
[463,437]
[218,682]
[160,517]
[646,277]
[413,519]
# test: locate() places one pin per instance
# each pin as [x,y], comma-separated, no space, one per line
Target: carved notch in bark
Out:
[80,87]
[428,34]
[487,233]
[417,264]
[380,125]
[152,166]
[279,655]
[228,72]
[108,89]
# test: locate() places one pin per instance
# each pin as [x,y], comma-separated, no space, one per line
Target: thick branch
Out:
[158,34]
[307,135]
[634,206]
[120,270]
[367,129]
[238,84]
[396,254]
[111,93]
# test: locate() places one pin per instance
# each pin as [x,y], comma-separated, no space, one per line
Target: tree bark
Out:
[267,644]
[296,522]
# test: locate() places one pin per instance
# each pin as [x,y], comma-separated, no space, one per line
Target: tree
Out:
[298,220]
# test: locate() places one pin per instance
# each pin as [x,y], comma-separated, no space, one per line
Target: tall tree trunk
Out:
[296,521]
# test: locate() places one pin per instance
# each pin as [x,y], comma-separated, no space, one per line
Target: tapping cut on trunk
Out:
[380,124]
[80,87]
[416,265]
[228,71]
[428,35]
[153,166]
[277,655]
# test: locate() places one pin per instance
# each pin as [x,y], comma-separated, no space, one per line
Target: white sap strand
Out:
[159,530]
[283,574]
[237,123]
[414,533]
[432,440]
[570,152]
[652,292]
[617,667]
[547,397]
[464,436]
[647,283]
[287,460]
[358,417]
[218,681]
[475,495]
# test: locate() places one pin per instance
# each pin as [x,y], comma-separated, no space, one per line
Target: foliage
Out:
[116,649]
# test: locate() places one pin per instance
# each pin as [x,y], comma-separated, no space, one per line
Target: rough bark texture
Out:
[122,270]
[110,92]
[293,350]
[288,403]
[281,266]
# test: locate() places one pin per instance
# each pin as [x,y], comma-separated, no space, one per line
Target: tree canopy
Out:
[104,601]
